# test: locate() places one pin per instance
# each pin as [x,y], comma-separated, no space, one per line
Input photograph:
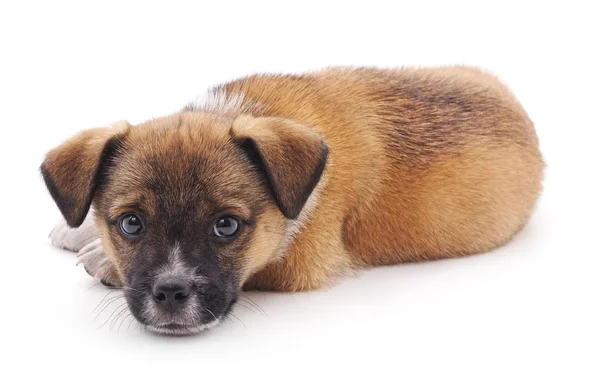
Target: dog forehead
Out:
[182,160]
[182,146]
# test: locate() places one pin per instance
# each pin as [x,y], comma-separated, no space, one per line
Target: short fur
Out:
[331,172]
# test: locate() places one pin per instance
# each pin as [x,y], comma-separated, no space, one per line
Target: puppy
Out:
[287,182]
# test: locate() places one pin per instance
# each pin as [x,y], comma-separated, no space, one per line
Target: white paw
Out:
[74,239]
[97,264]
[93,259]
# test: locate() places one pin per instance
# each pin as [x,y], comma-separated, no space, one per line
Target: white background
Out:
[526,311]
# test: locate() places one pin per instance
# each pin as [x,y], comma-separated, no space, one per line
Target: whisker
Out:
[133,319]
[211,313]
[253,303]
[229,319]
[119,315]
[235,316]
[107,301]
[100,311]
[110,316]
[115,320]
[90,288]
[123,321]
[102,300]
[132,289]
[104,308]
[246,307]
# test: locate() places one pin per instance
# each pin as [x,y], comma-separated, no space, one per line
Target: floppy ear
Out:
[71,170]
[292,156]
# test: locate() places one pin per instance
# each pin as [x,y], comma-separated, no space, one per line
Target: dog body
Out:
[319,174]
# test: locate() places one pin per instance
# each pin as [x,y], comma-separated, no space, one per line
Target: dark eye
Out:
[226,227]
[131,225]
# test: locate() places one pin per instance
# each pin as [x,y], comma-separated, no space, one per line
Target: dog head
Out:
[189,206]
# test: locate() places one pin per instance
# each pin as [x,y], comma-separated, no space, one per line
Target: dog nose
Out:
[171,293]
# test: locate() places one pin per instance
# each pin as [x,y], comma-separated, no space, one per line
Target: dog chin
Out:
[177,329]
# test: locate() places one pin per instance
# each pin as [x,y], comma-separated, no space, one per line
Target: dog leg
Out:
[86,241]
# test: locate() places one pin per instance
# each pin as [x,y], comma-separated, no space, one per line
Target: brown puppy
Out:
[287,182]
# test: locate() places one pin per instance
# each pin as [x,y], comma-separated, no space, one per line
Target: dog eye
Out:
[226,227]
[131,225]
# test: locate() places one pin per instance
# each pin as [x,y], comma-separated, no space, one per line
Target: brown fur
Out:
[421,164]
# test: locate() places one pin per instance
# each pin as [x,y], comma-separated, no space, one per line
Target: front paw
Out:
[97,265]
[73,239]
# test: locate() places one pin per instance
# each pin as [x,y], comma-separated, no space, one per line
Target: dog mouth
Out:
[179,329]
[188,321]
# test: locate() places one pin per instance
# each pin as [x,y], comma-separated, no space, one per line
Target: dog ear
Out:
[292,156]
[71,171]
